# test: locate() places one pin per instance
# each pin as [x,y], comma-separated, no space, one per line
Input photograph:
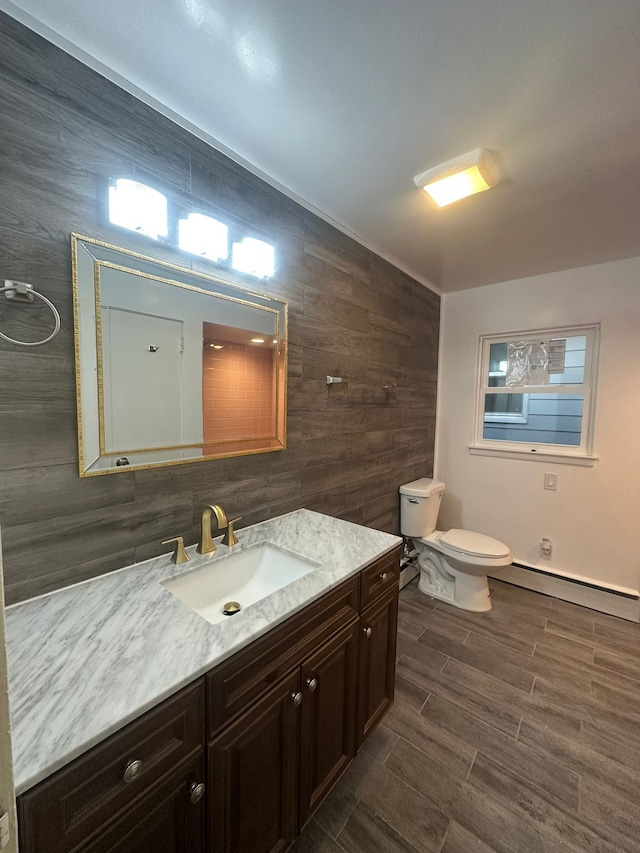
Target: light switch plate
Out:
[551,481]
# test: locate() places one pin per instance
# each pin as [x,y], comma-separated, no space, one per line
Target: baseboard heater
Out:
[616,602]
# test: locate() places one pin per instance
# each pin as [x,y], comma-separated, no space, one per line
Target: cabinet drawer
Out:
[169,819]
[65,810]
[380,576]
[236,683]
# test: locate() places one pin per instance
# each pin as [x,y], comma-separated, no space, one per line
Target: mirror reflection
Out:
[172,366]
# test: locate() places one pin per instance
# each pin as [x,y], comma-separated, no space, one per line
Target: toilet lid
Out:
[469,542]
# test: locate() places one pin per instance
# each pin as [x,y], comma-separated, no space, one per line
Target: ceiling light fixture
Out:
[257,340]
[465,175]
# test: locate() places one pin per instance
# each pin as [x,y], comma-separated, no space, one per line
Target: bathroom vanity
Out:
[253,718]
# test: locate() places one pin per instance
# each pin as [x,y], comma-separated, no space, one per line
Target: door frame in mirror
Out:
[89,258]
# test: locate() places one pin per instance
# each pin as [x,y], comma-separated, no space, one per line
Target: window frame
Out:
[580,454]
[509,417]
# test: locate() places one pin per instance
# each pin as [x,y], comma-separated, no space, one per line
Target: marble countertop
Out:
[86,660]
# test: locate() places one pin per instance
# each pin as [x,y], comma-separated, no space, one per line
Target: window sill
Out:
[587,461]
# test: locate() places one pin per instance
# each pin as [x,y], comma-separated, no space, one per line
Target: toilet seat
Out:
[457,545]
[473,544]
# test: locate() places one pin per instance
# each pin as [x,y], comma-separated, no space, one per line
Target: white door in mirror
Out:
[143,397]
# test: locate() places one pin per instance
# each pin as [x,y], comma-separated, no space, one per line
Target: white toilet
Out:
[454,564]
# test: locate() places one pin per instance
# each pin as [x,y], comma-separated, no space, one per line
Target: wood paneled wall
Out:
[64,131]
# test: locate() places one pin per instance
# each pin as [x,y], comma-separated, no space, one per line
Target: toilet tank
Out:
[419,506]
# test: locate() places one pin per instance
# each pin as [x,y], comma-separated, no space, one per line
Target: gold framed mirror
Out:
[172,365]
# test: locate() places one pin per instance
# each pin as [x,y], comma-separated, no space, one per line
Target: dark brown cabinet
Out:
[270,768]
[276,725]
[171,818]
[233,686]
[340,655]
[328,717]
[252,776]
[106,794]
[378,625]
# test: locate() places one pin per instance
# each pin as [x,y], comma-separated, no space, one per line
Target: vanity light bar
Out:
[143,209]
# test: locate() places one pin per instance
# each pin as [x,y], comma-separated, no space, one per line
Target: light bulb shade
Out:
[203,235]
[254,257]
[138,207]
[465,175]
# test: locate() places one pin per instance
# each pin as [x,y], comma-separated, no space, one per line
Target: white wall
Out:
[7,797]
[593,519]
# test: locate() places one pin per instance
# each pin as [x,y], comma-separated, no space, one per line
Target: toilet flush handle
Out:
[414,501]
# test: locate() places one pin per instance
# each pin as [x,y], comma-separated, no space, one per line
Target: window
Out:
[503,408]
[535,393]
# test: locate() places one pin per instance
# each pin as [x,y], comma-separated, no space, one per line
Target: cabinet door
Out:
[253,774]
[169,819]
[378,626]
[328,722]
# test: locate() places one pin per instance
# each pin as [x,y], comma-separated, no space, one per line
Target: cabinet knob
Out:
[196,792]
[297,698]
[312,683]
[383,576]
[367,632]
[132,770]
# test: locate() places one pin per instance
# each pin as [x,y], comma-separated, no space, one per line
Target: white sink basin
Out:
[244,577]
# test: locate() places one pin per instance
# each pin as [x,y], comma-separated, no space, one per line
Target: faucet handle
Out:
[230,537]
[179,555]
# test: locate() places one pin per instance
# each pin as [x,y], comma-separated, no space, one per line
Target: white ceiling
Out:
[342,102]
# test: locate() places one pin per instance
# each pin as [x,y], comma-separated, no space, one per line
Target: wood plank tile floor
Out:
[513,731]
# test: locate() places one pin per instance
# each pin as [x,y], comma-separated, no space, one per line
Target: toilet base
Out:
[480,605]
[444,583]
[439,590]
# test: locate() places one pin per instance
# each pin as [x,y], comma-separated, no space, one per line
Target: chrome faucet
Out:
[205,545]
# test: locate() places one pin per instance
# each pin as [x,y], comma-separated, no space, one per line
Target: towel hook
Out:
[25,293]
